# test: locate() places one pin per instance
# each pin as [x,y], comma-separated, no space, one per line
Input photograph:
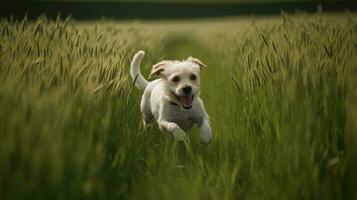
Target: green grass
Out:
[281,94]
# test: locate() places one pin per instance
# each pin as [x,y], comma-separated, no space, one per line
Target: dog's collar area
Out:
[175,104]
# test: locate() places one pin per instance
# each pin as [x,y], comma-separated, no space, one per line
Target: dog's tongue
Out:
[186,101]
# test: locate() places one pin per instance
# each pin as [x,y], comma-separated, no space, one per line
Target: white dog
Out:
[172,100]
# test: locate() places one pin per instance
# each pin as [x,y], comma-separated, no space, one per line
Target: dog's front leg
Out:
[173,128]
[205,131]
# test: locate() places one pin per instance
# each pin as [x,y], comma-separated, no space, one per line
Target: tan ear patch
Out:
[196,61]
[158,68]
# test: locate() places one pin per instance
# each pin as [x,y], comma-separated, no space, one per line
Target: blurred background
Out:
[159,9]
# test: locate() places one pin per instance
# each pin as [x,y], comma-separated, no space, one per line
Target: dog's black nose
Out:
[187,89]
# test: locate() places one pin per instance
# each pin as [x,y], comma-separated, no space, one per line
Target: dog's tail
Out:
[140,81]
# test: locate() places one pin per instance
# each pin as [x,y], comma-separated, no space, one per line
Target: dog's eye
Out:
[176,79]
[193,77]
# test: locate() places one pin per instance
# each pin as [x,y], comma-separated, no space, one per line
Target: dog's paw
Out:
[147,125]
[206,139]
[206,134]
[179,134]
[148,120]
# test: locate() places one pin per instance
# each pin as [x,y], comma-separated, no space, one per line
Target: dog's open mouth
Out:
[186,101]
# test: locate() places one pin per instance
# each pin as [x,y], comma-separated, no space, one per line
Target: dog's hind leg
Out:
[145,108]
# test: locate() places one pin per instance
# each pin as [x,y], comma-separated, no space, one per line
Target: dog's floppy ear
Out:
[197,61]
[158,68]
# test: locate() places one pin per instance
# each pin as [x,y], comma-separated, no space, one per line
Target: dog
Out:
[172,100]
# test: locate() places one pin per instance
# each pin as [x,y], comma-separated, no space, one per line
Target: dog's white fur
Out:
[161,98]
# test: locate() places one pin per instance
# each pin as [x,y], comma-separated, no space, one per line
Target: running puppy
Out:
[173,99]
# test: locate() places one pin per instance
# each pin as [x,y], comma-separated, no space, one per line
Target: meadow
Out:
[281,93]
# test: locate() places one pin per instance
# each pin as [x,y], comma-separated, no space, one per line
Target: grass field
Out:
[281,93]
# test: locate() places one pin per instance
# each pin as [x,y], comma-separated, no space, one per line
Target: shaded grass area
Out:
[281,97]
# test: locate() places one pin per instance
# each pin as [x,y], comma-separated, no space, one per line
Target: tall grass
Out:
[281,97]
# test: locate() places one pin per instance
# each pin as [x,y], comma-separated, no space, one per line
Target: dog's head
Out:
[181,78]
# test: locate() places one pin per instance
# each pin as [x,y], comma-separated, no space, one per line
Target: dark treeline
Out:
[146,10]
